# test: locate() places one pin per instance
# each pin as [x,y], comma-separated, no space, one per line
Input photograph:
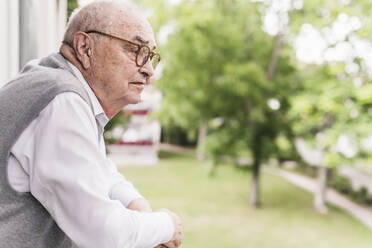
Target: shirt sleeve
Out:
[70,177]
[122,190]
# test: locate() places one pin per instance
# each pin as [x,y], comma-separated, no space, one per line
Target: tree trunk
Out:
[275,56]
[254,197]
[202,135]
[320,193]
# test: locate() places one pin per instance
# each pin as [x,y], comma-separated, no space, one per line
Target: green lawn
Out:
[215,214]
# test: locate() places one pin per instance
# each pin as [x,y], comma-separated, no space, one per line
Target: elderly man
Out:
[57,188]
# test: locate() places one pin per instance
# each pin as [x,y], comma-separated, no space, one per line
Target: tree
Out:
[331,109]
[223,73]
[222,69]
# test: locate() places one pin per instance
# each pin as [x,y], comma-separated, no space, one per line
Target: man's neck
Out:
[110,109]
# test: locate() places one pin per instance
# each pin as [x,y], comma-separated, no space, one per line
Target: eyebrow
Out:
[143,41]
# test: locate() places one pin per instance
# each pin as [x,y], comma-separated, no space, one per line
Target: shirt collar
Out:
[97,108]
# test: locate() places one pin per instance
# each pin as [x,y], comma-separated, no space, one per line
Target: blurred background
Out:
[257,128]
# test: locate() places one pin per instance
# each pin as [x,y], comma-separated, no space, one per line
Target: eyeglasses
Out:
[143,52]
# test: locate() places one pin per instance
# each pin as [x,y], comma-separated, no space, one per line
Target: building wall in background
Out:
[30,29]
[9,42]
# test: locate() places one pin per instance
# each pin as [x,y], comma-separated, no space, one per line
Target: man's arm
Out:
[178,232]
[125,192]
[68,175]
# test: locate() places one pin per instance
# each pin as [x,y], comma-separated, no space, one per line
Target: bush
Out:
[343,185]
[362,196]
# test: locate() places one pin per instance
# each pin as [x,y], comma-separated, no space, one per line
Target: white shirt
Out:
[61,159]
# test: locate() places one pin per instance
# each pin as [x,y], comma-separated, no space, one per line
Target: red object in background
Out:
[138,112]
[135,143]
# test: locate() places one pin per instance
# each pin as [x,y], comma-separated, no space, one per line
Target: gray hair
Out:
[98,15]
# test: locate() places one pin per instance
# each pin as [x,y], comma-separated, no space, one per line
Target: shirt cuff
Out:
[159,224]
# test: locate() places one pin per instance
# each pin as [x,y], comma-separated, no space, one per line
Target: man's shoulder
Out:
[52,69]
[49,75]
[40,82]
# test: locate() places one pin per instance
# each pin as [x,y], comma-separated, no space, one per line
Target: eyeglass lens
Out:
[144,55]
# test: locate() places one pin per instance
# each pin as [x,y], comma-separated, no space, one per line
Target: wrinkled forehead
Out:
[135,28]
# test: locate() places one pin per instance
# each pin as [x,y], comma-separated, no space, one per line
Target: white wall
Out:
[42,26]
[51,26]
[29,29]
[9,41]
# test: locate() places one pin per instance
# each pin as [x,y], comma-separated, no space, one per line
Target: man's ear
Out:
[82,44]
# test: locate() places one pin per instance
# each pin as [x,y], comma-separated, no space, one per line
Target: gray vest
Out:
[24,222]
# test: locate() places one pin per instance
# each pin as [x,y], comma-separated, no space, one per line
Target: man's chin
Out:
[135,100]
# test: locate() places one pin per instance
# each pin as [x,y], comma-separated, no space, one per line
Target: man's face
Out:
[115,69]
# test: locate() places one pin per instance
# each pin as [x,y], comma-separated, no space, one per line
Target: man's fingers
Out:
[170,244]
[167,245]
[178,232]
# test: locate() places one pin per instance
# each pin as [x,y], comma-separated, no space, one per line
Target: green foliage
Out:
[362,196]
[215,65]
[343,185]
[120,118]
[71,5]
[172,134]
[329,104]
[285,148]
[322,13]
[194,57]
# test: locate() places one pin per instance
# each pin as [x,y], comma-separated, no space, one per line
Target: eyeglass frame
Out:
[150,55]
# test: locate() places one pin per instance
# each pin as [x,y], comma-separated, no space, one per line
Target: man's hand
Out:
[140,204]
[178,233]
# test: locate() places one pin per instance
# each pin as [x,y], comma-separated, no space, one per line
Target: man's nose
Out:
[147,70]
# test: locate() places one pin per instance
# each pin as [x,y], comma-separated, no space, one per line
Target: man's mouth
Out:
[138,84]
